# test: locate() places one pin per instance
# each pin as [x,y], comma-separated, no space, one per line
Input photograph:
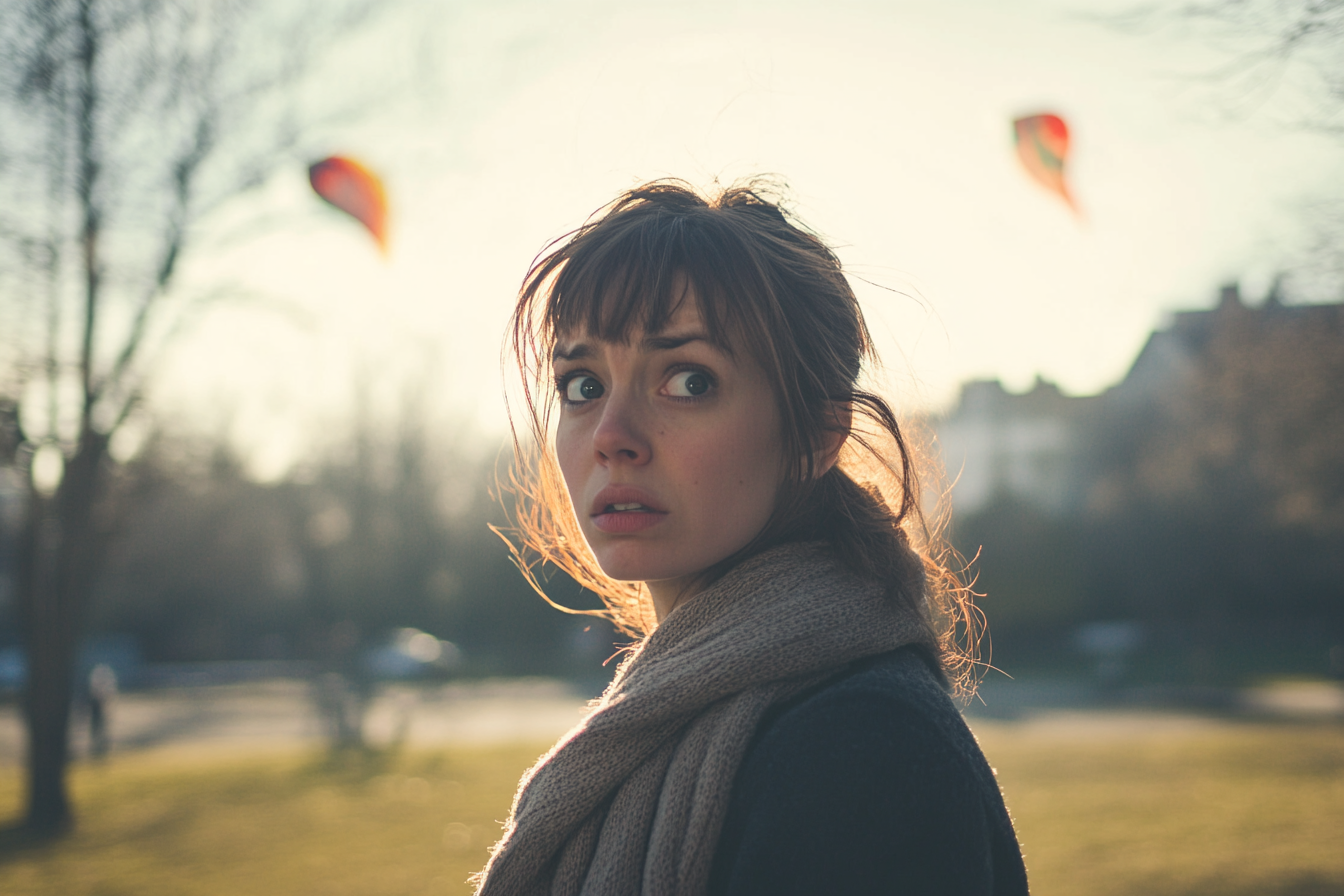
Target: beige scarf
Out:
[632,800]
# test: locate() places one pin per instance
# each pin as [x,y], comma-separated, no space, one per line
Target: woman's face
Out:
[670,448]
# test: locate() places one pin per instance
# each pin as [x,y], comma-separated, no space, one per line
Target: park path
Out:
[280,713]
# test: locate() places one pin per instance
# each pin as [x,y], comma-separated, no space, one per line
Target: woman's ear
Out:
[839,418]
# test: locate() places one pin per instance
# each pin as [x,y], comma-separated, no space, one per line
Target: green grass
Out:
[1234,810]
[192,824]
[1229,809]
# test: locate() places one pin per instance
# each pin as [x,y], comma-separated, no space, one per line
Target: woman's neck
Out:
[668,594]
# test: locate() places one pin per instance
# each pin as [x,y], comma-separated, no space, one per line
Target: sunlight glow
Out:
[892,125]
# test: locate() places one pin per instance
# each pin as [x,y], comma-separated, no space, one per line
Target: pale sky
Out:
[506,123]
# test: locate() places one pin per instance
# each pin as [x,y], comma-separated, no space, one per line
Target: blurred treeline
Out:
[1209,511]
[1207,516]
[388,528]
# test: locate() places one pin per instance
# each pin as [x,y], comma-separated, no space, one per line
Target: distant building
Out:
[1175,352]
[1030,446]
[1053,450]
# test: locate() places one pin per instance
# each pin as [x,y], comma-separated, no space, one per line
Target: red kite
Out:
[355,190]
[1043,145]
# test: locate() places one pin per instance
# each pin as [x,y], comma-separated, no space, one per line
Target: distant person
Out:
[710,467]
[102,691]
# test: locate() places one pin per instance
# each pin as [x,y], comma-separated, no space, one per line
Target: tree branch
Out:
[184,175]
[88,176]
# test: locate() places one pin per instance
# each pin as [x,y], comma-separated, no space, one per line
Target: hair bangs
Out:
[613,292]
[626,280]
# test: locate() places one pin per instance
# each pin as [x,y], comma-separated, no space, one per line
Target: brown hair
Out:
[766,286]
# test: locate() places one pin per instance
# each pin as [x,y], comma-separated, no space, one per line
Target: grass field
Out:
[1230,809]
[1233,811]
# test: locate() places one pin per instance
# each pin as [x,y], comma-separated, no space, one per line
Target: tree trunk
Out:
[65,547]
[64,536]
[50,690]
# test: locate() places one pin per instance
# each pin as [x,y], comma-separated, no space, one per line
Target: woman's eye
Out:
[689,384]
[583,388]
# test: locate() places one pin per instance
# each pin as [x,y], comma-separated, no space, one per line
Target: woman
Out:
[720,479]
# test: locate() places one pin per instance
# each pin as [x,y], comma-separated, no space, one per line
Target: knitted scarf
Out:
[632,800]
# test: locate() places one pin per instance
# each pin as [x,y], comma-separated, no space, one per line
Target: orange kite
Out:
[1043,146]
[355,190]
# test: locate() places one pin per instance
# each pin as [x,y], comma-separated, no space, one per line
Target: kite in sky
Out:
[1043,146]
[355,190]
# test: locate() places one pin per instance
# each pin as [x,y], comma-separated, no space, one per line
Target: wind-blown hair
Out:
[769,288]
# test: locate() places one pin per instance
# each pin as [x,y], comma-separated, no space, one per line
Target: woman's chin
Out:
[627,560]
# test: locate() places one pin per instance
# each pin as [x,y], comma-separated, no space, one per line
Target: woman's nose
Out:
[619,436]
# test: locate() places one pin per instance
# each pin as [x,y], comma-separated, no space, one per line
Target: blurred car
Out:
[13,669]
[119,653]
[408,654]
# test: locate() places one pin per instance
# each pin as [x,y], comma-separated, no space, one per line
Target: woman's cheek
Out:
[569,455]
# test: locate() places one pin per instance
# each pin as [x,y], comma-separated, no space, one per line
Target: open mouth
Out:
[622,511]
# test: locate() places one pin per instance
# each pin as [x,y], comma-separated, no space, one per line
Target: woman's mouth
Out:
[623,517]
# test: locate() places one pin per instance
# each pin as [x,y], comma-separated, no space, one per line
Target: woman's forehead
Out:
[685,319]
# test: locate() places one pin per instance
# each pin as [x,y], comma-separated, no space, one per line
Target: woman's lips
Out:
[620,509]
[620,522]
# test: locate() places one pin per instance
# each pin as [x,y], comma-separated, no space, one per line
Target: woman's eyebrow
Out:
[573,353]
[674,340]
[664,342]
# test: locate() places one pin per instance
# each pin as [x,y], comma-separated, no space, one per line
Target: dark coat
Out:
[871,784]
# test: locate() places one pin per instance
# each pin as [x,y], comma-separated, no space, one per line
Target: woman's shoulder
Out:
[894,704]
[870,782]
[906,676]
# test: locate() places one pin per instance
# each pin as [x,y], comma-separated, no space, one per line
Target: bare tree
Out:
[1284,59]
[126,121]
[1298,41]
